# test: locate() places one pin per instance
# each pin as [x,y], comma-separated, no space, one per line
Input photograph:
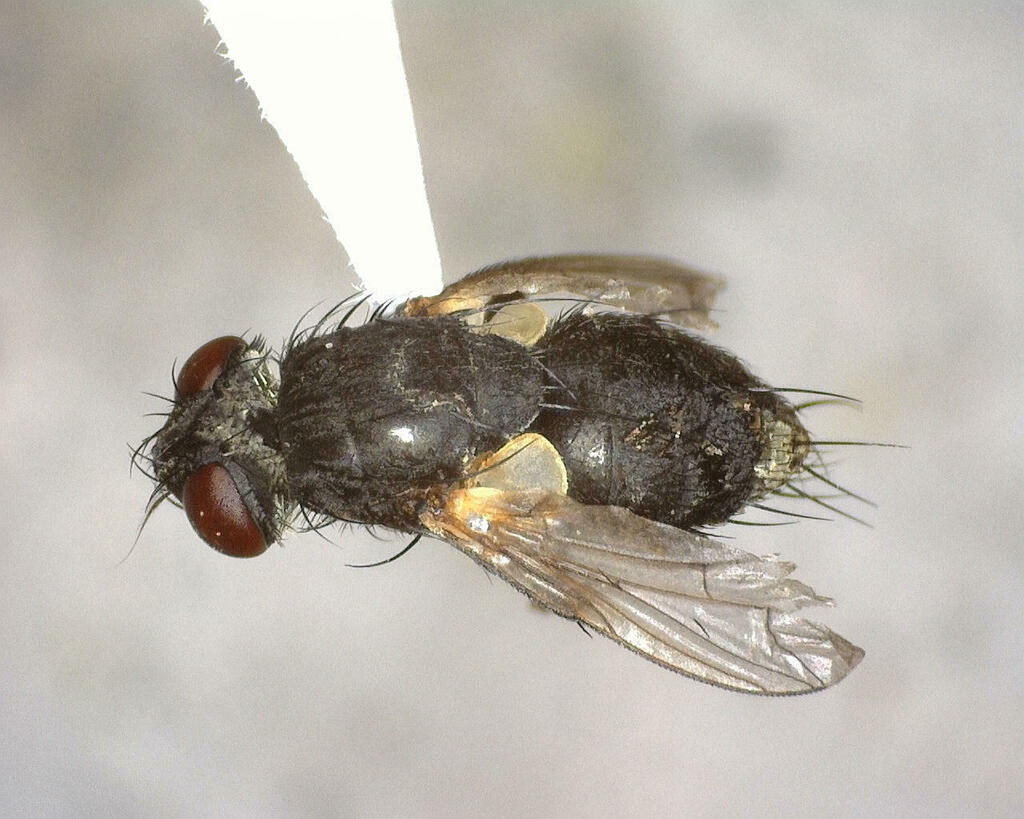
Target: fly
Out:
[578,458]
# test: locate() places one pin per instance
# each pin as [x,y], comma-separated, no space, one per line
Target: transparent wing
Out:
[640,284]
[687,602]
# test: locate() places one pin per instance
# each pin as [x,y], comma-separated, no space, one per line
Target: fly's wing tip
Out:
[848,652]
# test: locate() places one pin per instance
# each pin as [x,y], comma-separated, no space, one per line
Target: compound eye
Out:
[218,513]
[205,365]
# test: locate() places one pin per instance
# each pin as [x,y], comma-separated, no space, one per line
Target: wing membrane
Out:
[640,284]
[687,602]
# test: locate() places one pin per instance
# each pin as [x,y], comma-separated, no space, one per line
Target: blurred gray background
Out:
[853,169]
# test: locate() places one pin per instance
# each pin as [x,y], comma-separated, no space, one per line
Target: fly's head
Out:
[217,453]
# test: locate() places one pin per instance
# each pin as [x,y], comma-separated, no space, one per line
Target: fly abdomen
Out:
[653,419]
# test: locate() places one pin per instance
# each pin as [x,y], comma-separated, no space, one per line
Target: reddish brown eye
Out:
[219,515]
[205,364]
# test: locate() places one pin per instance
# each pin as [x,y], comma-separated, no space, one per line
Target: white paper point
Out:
[329,78]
